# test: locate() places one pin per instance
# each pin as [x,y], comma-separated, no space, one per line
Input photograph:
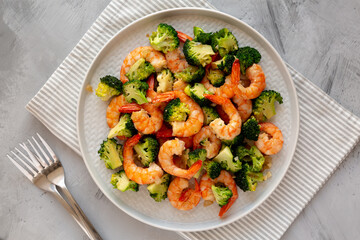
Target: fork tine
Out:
[28,175]
[52,154]
[37,155]
[43,152]
[34,162]
[23,162]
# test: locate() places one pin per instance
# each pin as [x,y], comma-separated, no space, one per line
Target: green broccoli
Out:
[212,168]
[111,153]
[108,86]
[224,64]
[194,156]
[135,90]
[210,114]
[264,105]
[197,92]
[224,42]
[238,140]
[176,111]
[158,191]
[252,156]
[140,70]
[165,79]
[191,74]
[120,181]
[201,36]
[246,179]
[197,54]
[147,150]
[247,57]
[251,129]
[124,128]
[216,77]
[165,39]
[227,160]
[222,194]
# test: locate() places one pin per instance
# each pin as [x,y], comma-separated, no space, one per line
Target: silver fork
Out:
[47,173]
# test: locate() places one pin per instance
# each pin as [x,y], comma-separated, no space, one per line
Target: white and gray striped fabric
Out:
[320,118]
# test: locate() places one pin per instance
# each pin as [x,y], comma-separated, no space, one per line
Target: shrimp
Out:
[140,117]
[176,61]
[270,139]
[112,111]
[181,197]
[233,128]
[207,194]
[138,174]
[179,85]
[195,120]
[257,82]
[183,37]
[166,152]
[244,106]
[156,58]
[213,144]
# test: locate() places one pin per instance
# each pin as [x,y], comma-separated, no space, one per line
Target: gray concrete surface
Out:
[321,39]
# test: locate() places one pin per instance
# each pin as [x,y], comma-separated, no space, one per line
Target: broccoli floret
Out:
[238,140]
[140,70]
[201,36]
[210,114]
[165,39]
[165,79]
[176,110]
[191,74]
[158,190]
[264,105]
[224,42]
[212,168]
[194,156]
[197,54]
[251,129]
[111,153]
[120,181]
[227,160]
[252,156]
[246,179]
[222,194]
[247,57]
[108,86]
[124,128]
[147,150]
[224,64]
[216,77]
[197,92]
[135,90]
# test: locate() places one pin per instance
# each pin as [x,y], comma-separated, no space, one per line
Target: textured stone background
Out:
[321,39]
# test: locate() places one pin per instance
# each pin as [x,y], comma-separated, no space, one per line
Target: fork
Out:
[47,173]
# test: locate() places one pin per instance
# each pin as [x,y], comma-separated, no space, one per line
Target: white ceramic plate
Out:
[92,127]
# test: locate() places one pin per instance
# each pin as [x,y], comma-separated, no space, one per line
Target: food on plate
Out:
[188,109]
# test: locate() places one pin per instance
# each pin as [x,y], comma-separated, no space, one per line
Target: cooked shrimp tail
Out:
[133,140]
[235,73]
[183,37]
[130,108]
[217,99]
[226,207]
[195,167]
[164,97]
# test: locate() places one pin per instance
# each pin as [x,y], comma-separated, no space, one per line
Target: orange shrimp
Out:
[270,139]
[207,194]
[176,61]
[233,128]
[213,144]
[165,156]
[156,58]
[179,85]
[195,120]
[244,106]
[257,82]
[134,172]
[112,111]
[183,37]
[181,197]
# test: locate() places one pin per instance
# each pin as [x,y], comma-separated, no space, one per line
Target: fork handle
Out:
[84,222]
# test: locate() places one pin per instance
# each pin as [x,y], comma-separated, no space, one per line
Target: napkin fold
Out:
[328,132]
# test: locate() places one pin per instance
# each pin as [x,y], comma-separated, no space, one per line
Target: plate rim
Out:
[225,221]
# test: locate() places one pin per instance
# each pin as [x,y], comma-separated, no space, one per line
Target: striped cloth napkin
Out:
[328,132]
